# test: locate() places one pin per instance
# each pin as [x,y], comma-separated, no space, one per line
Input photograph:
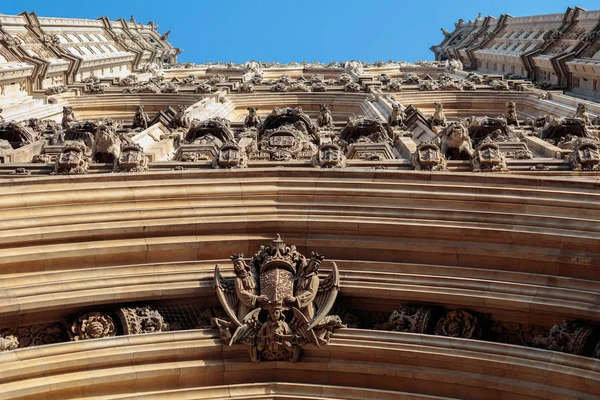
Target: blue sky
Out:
[287,30]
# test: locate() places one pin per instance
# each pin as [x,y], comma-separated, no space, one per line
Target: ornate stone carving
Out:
[318,87]
[57,89]
[438,120]
[329,155]
[92,325]
[72,160]
[394,85]
[455,142]
[513,333]
[460,324]
[51,40]
[140,120]
[324,119]
[246,87]
[279,87]
[180,120]
[298,87]
[204,87]
[285,79]
[131,159]
[510,114]
[217,78]
[412,319]
[8,342]
[585,155]
[140,320]
[35,335]
[396,118]
[277,303]
[571,336]
[488,158]
[252,120]
[475,78]
[582,114]
[555,129]
[106,147]
[17,134]
[344,79]
[68,118]
[428,85]
[362,129]
[411,79]
[284,135]
[499,85]
[352,87]
[231,155]
[219,128]
[428,157]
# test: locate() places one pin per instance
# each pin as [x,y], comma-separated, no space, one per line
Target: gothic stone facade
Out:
[345,230]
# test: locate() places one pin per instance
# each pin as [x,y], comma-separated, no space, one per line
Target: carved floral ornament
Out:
[277,303]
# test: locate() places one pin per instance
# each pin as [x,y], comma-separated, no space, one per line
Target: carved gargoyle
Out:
[277,302]
[455,142]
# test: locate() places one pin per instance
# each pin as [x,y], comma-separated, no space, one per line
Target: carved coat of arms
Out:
[277,302]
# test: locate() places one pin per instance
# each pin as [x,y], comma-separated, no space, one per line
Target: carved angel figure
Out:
[277,302]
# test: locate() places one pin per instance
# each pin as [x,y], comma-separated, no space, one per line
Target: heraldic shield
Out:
[277,302]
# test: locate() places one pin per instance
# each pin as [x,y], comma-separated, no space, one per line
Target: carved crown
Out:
[279,255]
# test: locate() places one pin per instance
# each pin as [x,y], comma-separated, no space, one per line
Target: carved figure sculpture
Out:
[68,118]
[438,119]
[511,114]
[324,119]
[455,142]
[582,113]
[396,118]
[180,120]
[252,120]
[140,120]
[107,146]
[272,315]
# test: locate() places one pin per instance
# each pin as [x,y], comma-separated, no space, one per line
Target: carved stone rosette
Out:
[277,302]
[140,320]
[92,325]
[460,324]
[428,157]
